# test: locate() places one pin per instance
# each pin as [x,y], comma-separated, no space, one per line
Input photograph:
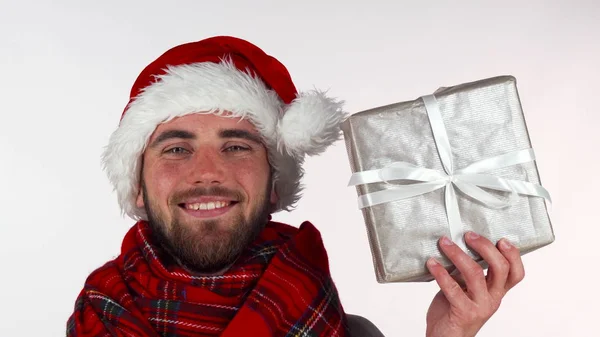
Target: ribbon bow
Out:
[469,179]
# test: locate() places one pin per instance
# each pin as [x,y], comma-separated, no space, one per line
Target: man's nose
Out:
[206,168]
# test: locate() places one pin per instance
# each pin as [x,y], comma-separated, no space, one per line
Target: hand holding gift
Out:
[462,307]
[445,165]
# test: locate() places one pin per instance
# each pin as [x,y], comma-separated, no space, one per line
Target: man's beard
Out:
[206,247]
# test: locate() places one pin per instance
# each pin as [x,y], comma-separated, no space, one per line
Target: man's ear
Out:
[274,198]
[139,201]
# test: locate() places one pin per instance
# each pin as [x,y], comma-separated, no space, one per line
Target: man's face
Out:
[206,188]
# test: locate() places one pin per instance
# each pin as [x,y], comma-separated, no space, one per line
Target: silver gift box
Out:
[483,119]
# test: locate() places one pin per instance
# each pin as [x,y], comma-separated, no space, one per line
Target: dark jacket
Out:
[362,327]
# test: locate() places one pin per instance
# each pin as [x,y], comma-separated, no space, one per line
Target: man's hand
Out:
[461,311]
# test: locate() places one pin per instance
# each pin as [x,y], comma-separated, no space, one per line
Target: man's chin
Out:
[205,250]
[207,244]
[200,230]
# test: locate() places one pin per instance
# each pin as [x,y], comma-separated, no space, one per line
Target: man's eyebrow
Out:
[170,134]
[239,133]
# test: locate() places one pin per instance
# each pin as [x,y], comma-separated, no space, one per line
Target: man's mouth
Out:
[206,205]
[207,208]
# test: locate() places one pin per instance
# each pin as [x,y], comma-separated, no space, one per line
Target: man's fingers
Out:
[459,279]
[470,270]
[499,265]
[451,289]
[516,271]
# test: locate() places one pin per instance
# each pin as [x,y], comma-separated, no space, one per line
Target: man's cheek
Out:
[166,177]
[169,168]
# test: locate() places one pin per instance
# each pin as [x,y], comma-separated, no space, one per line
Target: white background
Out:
[67,67]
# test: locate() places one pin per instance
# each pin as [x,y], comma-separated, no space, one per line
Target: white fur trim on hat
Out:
[310,124]
[221,88]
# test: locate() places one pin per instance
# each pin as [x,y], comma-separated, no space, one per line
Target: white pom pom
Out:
[310,124]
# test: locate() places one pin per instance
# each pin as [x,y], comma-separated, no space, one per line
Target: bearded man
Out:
[211,144]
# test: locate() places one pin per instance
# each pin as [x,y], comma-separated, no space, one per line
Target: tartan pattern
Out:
[281,286]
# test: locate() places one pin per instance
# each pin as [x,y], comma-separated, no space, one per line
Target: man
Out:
[210,145]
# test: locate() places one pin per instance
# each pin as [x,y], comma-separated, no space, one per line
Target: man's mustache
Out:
[215,191]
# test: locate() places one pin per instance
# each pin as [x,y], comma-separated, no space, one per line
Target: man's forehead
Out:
[196,126]
[202,123]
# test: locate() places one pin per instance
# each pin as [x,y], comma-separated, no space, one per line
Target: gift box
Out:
[457,160]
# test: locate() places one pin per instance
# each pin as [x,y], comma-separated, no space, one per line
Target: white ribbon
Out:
[468,179]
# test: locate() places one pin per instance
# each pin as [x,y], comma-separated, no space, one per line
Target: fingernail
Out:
[432,262]
[504,244]
[446,242]
[473,235]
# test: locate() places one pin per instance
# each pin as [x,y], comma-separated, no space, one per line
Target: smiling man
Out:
[206,186]
[210,145]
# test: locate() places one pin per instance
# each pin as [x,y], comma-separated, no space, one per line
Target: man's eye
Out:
[176,150]
[236,148]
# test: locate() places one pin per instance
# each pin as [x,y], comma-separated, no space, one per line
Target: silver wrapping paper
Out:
[483,119]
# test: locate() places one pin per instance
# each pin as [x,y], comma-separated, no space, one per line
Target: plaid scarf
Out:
[280,286]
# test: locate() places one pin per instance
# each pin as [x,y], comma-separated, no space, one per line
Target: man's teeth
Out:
[207,205]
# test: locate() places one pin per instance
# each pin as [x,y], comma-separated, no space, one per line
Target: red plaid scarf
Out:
[281,286]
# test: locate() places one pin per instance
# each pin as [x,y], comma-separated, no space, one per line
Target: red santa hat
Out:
[223,75]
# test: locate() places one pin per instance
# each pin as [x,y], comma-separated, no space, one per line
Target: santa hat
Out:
[223,75]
